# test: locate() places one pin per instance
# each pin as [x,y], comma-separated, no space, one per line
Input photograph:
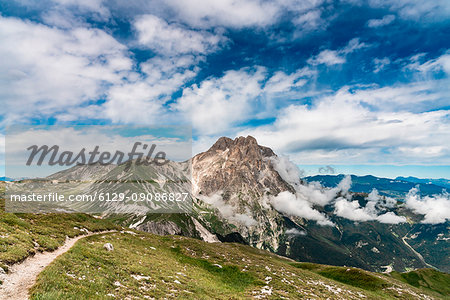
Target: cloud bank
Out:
[307,195]
[227,210]
[435,209]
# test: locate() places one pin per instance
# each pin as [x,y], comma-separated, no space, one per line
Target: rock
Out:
[108,247]
[160,228]
[2,271]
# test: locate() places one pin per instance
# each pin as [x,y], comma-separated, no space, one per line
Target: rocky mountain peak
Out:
[244,145]
[235,166]
[242,175]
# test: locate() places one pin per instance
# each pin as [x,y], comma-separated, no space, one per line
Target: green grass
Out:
[351,276]
[144,266]
[22,235]
[89,269]
[229,275]
[427,279]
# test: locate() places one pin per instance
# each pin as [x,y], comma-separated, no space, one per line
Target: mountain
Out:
[233,183]
[396,188]
[429,181]
[243,192]
[141,265]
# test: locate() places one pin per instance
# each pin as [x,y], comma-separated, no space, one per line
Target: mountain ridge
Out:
[246,192]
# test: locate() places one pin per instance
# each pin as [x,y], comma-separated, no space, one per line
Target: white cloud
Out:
[380,63]
[374,209]
[351,210]
[203,13]
[390,218]
[423,11]
[247,13]
[314,192]
[281,82]
[327,57]
[288,171]
[45,70]
[441,63]
[301,203]
[228,211]
[143,98]
[295,232]
[363,125]
[310,20]
[169,39]
[386,20]
[291,204]
[353,45]
[435,209]
[336,57]
[217,104]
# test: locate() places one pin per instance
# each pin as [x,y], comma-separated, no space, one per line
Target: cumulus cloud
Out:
[296,205]
[327,57]
[435,209]
[301,203]
[46,70]
[216,104]
[169,39]
[390,128]
[144,95]
[306,196]
[386,20]
[314,192]
[390,218]
[288,171]
[351,210]
[227,210]
[247,13]
[374,209]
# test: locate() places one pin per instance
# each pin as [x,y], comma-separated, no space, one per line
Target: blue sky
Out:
[347,83]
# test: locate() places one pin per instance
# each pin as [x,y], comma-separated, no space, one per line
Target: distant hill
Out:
[396,188]
[440,182]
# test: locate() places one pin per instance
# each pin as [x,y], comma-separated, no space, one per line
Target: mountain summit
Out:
[236,176]
[236,165]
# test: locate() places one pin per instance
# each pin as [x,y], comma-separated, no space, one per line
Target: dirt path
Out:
[22,276]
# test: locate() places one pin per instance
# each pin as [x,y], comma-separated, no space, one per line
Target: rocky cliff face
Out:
[233,165]
[237,176]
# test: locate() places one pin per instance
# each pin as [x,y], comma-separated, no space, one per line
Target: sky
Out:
[359,85]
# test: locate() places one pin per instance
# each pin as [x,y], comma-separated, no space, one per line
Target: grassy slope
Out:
[426,279]
[22,235]
[143,265]
[178,266]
